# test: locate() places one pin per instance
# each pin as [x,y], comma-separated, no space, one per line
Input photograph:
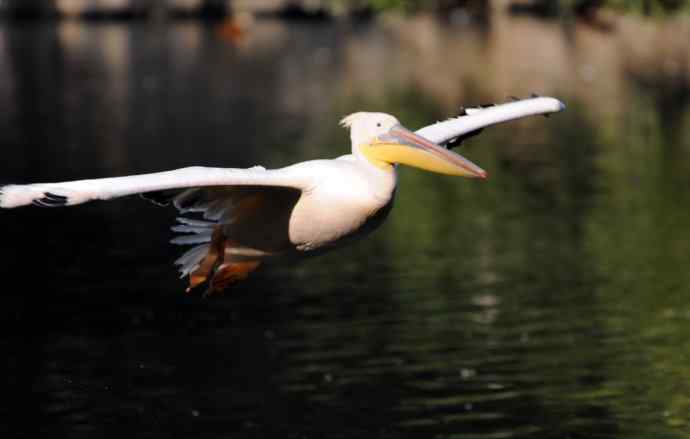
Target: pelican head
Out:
[383,141]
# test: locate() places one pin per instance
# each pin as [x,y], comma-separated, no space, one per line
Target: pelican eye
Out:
[378,124]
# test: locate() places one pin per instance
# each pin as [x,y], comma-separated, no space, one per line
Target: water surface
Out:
[548,301]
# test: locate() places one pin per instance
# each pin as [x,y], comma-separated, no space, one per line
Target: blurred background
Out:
[550,301]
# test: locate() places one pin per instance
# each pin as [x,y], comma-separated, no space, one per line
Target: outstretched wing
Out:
[230,202]
[475,119]
[76,192]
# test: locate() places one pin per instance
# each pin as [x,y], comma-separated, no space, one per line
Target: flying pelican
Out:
[246,216]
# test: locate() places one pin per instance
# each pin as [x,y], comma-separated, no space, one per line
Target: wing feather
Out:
[239,221]
[80,191]
[474,119]
[197,238]
[191,259]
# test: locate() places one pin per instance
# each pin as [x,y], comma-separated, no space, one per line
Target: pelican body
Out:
[236,219]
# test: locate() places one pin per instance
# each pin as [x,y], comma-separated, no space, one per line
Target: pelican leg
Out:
[218,266]
[210,261]
[230,270]
[229,273]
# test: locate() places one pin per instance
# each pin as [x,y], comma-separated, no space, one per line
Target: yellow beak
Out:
[400,145]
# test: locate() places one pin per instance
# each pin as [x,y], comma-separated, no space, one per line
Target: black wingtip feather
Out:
[56,197]
[458,140]
[50,200]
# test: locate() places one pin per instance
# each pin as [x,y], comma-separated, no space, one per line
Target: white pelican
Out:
[249,215]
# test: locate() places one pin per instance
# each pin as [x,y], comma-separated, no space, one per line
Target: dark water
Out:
[549,301]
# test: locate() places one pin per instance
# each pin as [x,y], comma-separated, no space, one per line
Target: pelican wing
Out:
[76,192]
[229,203]
[238,226]
[475,119]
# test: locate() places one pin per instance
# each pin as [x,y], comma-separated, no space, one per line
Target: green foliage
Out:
[406,5]
[651,7]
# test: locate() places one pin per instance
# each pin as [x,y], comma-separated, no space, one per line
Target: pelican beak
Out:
[400,145]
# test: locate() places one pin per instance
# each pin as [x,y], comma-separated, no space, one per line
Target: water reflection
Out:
[548,301]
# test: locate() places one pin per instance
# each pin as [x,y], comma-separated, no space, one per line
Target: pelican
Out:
[237,219]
